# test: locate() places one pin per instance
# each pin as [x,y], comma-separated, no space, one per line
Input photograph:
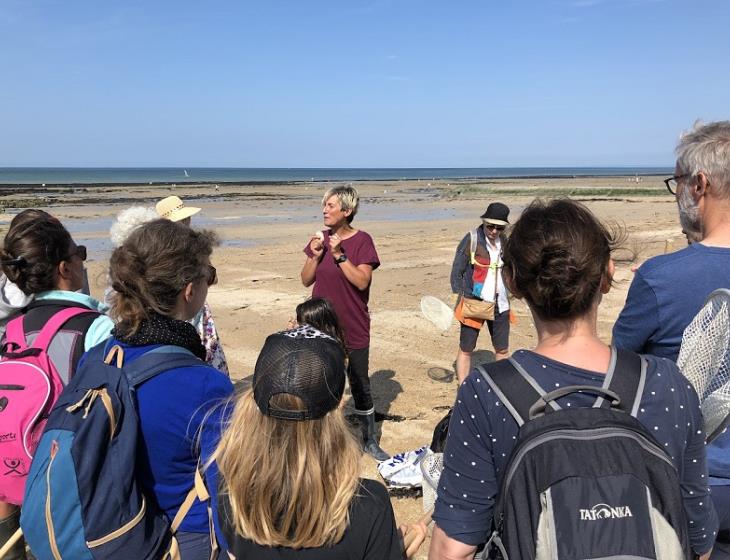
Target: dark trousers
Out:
[357,375]
[193,546]
[721,501]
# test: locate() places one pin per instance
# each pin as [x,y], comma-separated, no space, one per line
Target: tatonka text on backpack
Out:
[83,499]
[29,385]
[585,482]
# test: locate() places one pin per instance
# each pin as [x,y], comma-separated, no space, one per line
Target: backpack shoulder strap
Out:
[54,324]
[473,239]
[158,360]
[15,333]
[514,387]
[628,379]
[200,492]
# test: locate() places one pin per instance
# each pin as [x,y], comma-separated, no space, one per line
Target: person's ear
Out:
[608,277]
[189,292]
[700,186]
[64,270]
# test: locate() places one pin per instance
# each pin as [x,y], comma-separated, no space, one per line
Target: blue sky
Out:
[373,83]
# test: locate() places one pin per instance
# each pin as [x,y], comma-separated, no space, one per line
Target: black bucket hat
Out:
[497,214]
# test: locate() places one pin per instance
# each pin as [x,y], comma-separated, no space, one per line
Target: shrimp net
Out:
[704,358]
[431,466]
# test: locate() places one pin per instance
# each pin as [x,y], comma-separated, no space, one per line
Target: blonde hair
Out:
[288,483]
[347,196]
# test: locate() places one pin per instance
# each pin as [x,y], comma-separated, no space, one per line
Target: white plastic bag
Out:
[403,470]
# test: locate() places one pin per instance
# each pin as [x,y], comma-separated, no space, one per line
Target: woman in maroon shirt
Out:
[340,263]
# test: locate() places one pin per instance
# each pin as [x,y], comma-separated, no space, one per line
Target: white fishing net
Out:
[431,466]
[437,312]
[704,358]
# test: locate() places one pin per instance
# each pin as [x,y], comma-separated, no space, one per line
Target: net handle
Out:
[716,293]
[717,431]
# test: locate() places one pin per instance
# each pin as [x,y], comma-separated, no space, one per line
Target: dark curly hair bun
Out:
[557,257]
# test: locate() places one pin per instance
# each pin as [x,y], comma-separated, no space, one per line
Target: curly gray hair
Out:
[128,220]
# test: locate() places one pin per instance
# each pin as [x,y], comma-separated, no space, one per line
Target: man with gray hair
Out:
[668,290]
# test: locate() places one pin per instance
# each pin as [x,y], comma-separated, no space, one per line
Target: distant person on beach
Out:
[668,290]
[172,208]
[42,261]
[476,276]
[161,275]
[289,466]
[558,259]
[340,263]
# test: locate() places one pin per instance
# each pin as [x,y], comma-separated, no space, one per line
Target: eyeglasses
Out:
[493,226]
[212,275]
[79,252]
[672,182]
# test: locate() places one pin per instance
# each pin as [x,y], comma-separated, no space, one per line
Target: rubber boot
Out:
[369,441]
[8,527]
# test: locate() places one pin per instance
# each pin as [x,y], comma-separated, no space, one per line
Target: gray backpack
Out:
[585,482]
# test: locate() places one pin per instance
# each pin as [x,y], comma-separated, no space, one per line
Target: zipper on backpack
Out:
[49,519]
[131,524]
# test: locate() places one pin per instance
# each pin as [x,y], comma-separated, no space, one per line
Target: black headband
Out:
[18,261]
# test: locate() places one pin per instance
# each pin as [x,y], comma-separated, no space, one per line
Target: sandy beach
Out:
[416,226]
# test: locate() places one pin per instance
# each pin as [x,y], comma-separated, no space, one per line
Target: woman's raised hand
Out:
[316,245]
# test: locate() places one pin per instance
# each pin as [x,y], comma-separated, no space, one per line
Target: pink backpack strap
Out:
[54,324]
[15,334]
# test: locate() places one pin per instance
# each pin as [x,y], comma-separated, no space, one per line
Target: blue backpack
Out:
[83,499]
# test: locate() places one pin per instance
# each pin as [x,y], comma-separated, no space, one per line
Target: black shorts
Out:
[498,330]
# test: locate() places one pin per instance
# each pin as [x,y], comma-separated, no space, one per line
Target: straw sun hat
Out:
[173,209]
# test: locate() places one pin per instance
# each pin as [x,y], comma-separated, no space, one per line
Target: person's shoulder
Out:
[370,487]
[661,263]
[666,374]
[214,380]
[663,366]
[363,237]
[371,494]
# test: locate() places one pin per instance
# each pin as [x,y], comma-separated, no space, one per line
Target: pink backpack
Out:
[29,387]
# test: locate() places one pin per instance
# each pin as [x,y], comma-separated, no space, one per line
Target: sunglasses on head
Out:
[79,252]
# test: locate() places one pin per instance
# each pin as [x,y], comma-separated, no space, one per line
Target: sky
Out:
[349,83]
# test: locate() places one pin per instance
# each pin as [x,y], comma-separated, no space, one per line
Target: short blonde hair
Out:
[288,483]
[348,197]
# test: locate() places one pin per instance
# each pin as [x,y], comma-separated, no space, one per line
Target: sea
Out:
[180,175]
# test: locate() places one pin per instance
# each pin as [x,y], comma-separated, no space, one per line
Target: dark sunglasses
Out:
[493,226]
[79,252]
[212,275]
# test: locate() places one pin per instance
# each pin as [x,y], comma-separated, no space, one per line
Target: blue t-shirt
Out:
[482,434]
[666,294]
[173,407]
